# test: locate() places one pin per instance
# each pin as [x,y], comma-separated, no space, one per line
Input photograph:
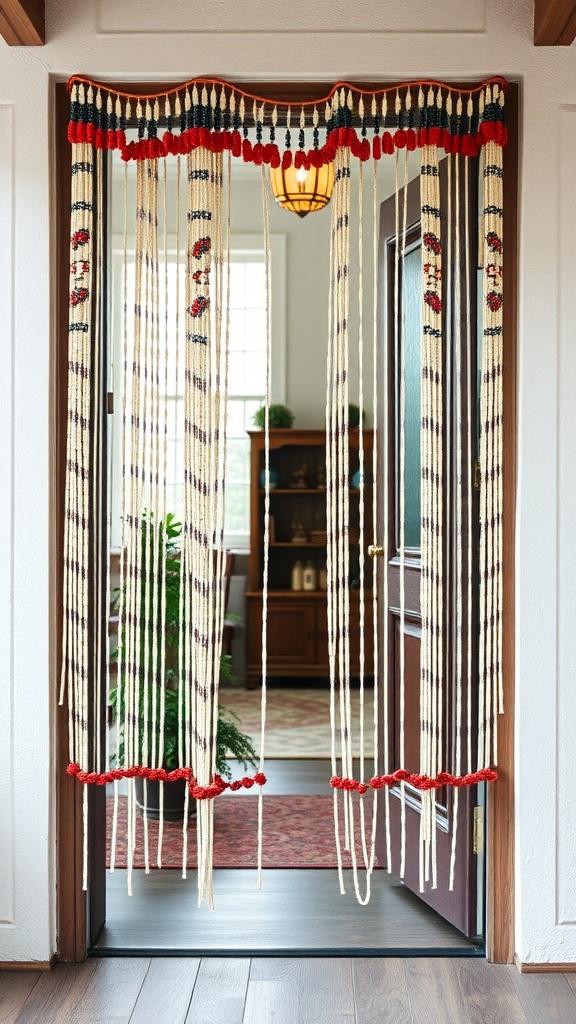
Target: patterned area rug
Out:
[298,833]
[297,719]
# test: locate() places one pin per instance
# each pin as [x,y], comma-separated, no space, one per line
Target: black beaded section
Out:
[199,215]
[203,115]
[493,112]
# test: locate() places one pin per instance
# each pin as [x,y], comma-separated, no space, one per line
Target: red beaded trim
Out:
[161,775]
[269,153]
[418,781]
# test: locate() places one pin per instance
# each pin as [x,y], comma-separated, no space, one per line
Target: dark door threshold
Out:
[477,952]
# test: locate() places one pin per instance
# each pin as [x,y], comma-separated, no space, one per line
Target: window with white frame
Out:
[246,374]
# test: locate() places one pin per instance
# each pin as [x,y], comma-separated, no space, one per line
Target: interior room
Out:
[298,809]
[523,964]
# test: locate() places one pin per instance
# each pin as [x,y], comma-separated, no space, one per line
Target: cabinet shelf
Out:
[298,544]
[302,595]
[297,634]
[305,544]
[296,491]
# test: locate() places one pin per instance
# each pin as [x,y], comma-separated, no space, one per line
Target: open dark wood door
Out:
[459,906]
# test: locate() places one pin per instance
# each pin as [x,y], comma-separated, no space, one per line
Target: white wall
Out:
[307,285]
[463,39]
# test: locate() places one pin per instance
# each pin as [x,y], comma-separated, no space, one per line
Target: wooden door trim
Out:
[70,898]
[71,904]
[544,968]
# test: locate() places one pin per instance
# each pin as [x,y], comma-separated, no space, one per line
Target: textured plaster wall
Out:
[373,40]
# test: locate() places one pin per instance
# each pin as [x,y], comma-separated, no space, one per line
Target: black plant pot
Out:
[174,797]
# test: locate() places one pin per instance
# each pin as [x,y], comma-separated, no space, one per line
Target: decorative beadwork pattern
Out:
[218,119]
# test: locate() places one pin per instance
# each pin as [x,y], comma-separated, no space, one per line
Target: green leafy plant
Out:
[355,413]
[230,740]
[278,416]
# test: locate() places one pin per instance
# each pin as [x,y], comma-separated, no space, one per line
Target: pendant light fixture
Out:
[300,190]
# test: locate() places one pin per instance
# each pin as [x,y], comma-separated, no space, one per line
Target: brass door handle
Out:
[375,551]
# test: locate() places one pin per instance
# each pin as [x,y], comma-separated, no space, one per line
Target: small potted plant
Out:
[355,414]
[230,740]
[278,416]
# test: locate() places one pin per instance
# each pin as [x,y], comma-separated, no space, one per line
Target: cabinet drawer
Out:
[291,633]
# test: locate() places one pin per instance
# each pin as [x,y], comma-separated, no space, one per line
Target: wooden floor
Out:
[298,912]
[286,991]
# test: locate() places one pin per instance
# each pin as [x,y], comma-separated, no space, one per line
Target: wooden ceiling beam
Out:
[22,22]
[554,22]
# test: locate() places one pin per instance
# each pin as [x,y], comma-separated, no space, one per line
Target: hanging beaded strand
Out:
[368,848]
[400,315]
[83,255]
[266,539]
[332,492]
[398,362]
[432,474]
[381,747]
[455,269]
[491,408]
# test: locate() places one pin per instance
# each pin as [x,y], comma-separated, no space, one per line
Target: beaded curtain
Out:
[202,125]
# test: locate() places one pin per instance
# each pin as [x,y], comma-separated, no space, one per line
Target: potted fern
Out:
[230,740]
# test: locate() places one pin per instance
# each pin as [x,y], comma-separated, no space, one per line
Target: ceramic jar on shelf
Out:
[297,575]
[309,577]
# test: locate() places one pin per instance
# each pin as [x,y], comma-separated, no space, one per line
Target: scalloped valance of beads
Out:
[216,115]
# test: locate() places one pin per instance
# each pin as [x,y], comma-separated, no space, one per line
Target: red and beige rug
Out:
[297,719]
[298,833]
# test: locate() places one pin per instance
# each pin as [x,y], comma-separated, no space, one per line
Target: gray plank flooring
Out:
[297,911]
[57,994]
[546,997]
[220,992]
[286,991]
[380,991]
[166,991]
[15,987]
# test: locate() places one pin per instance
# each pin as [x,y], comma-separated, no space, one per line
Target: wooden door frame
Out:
[70,900]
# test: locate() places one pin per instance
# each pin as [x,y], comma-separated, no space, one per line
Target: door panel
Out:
[457,906]
[412,633]
[291,633]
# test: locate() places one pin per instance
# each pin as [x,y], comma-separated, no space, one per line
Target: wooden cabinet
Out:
[297,620]
[291,633]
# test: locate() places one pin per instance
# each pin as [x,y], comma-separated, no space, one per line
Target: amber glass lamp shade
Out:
[300,190]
